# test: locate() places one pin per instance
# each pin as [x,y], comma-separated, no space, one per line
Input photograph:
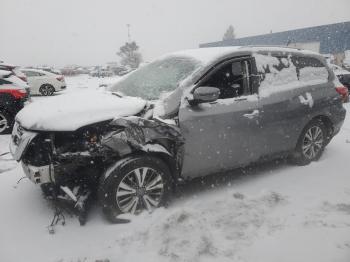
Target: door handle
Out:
[252,115]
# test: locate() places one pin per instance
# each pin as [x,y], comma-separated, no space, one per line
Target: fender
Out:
[135,135]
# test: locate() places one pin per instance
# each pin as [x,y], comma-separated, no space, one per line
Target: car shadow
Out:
[230,178]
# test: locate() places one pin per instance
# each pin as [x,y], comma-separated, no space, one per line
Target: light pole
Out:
[128,25]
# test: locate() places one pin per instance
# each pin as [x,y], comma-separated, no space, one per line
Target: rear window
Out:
[32,73]
[310,69]
[281,73]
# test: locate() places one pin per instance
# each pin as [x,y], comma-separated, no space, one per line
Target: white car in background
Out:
[44,83]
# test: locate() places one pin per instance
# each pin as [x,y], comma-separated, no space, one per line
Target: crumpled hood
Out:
[68,112]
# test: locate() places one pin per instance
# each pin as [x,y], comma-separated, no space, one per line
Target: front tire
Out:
[135,184]
[311,143]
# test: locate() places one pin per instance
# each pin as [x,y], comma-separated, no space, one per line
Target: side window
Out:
[29,73]
[277,73]
[32,73]
[232,79]
[310,70]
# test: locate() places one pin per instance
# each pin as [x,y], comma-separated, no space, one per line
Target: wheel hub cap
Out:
[313,142]
[140,189]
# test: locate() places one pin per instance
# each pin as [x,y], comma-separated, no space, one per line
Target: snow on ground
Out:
[271,212]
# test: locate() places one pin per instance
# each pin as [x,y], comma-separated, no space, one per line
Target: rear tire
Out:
[47,90]
[311,143]
[136,184]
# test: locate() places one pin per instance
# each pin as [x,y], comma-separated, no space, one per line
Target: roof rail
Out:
[283,46]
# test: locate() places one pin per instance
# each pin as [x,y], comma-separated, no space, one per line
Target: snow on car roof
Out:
[210,54]
[7,65]
[206,55]
[37,71]
[5,73]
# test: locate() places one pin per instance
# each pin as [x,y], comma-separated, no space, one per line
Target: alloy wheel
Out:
[142,188]
[46,90]
[3,123]
[312,142]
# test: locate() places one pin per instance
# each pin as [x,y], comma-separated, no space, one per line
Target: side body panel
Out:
[219,136]
[285,114]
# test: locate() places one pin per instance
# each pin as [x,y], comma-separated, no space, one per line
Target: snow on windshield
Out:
[285,73]
[160,76]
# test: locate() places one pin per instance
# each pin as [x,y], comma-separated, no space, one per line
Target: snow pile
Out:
[6,161]
[76,83]
[191,234]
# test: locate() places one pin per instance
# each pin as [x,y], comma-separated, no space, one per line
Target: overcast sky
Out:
[90,32]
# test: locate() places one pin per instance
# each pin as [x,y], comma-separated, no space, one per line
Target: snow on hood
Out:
[69,112]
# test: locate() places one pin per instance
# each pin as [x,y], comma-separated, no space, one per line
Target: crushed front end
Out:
[69,166]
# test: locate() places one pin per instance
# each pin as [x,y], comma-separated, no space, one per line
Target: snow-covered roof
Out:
[206,55]
[37,71]
[4,73]
[210,54]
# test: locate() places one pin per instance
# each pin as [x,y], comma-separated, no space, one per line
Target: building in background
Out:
[331,40]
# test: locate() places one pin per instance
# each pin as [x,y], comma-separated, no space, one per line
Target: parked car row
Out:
[43,82]
[14,92]
[185,115]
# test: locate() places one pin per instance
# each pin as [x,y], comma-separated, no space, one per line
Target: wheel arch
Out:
[328,124]
[325,120]
[166,158]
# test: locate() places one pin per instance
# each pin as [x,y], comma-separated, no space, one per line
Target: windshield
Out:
[158,77]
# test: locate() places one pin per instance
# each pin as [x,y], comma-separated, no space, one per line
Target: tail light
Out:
[343,92]
[60,78]
[17,93]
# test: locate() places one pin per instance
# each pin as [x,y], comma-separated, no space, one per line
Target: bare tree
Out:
[129,54]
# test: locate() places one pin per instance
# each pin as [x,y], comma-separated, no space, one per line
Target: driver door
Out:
[224,134]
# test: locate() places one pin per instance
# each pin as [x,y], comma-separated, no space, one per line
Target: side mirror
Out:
[205,94]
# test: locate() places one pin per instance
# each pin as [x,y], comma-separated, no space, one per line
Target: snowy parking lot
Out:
[271,212]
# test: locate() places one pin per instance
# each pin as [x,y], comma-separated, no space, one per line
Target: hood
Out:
[68,112]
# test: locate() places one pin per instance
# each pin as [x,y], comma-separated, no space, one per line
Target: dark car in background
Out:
[343,76]
[13,94]
[186,115]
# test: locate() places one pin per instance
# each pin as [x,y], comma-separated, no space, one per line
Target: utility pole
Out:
[129,38]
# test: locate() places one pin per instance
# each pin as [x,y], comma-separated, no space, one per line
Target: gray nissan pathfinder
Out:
[187,114]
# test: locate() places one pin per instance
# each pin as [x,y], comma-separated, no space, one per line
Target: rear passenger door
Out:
[290,95]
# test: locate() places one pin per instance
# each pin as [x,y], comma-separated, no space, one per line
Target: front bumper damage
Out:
[73,176]
[39,174]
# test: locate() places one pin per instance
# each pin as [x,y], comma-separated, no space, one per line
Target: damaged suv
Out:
[185,115]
